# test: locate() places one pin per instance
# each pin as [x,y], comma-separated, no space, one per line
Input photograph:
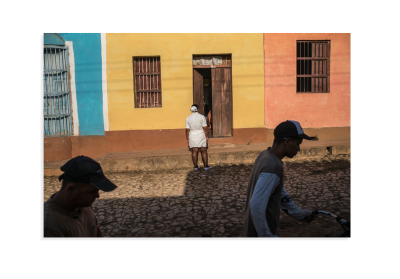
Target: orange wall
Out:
[312,110]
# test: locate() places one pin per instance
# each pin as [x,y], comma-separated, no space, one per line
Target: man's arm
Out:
[187,136]
[187,131]
[288,206]
[205,129]
[266,184]
[99,232]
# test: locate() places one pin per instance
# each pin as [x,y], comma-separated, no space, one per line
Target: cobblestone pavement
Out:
[187,203]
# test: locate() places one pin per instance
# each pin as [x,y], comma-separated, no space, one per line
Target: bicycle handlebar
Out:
[344,223]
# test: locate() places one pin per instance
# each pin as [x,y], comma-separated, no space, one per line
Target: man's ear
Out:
[287,140]
[70,188]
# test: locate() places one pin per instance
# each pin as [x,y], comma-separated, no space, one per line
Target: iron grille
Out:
[57,104]
[313,66]
[147,74]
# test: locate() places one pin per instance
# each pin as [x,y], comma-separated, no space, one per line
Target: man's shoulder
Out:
[195,117]
[53,212]
[267,156]
[50,206]
[272,159]
[269,163]
[197,114]
[54,220]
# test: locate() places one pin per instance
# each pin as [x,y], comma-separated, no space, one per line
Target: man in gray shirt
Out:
[69,213]
[266,194]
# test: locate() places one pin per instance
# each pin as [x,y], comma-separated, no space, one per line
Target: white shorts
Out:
[197,139]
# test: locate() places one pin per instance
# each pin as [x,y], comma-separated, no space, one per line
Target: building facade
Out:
[153,79]
[73,93]
[131,92]
[307,78]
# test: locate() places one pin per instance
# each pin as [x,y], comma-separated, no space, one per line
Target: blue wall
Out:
[88,81]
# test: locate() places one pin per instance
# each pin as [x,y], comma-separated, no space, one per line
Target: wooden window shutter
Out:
[313,59]
[147,82]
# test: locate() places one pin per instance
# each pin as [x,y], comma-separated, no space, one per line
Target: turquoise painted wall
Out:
[88,81]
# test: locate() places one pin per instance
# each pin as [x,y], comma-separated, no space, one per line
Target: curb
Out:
[171,162]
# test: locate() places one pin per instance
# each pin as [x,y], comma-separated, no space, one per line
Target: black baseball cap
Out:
[290,128]
[85,169]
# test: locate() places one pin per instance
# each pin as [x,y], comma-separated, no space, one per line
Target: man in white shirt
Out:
[196,136]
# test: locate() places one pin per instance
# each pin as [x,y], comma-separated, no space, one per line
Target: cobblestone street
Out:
[187,203]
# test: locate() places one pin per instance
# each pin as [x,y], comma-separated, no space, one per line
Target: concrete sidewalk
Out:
[222,154]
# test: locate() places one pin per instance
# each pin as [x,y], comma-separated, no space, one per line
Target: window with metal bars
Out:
[147,82]
[313,66]
[57,104]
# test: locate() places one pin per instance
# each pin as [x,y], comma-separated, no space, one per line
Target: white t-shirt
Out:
[195,122]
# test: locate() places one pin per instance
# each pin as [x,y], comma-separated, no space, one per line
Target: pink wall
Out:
[312,110]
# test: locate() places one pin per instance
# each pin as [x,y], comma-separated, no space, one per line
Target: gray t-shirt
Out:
[266,196]
[59,222]
[265,163]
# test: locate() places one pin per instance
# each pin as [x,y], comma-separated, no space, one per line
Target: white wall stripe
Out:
[74,104]
[104,79]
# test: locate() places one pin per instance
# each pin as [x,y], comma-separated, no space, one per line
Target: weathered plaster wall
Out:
[312,110]
[176,52]
[88,81]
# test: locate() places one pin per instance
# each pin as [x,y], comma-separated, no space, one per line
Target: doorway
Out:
[212,91]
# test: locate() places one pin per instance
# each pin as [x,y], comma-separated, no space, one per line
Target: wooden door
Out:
[198,90]
[221,80]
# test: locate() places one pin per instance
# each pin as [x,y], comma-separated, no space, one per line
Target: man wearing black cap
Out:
[69,213]
[266,194]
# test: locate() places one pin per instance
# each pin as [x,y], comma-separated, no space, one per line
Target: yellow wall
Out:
[175,51]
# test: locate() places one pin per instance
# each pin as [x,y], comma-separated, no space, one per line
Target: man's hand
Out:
[310,218]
